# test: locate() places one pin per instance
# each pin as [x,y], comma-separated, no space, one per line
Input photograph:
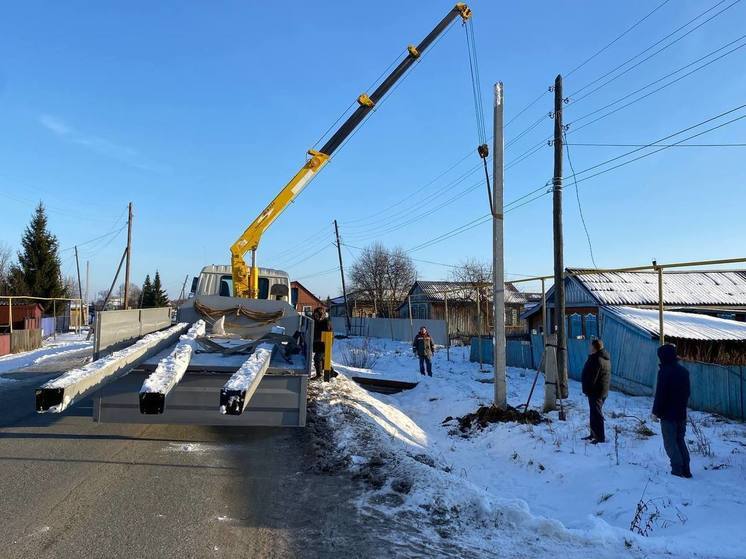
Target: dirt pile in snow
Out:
[491,414]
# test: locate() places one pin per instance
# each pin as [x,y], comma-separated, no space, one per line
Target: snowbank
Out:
[549,489]
[64,344]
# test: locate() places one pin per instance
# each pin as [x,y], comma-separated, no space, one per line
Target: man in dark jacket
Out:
[671,398]
[320,324]
[596,379]
[423,347]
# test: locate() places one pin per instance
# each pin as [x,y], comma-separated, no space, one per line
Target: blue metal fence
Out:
[634,359]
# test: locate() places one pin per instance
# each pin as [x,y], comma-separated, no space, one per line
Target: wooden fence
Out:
[25,340]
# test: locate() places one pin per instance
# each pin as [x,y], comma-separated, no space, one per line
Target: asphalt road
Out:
[74,488]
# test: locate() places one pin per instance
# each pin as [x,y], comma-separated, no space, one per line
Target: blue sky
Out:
[200,112]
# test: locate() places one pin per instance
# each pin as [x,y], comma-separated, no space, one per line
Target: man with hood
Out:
[596,379]
[672,392]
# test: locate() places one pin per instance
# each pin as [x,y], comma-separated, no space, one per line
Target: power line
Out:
[688,128]
[573,95]
[662,148]
[587,60]
[537,147]
[656,145]
[580,207]
[633,101]
[625,32]
[308,257]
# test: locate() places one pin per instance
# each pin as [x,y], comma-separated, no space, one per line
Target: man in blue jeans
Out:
[671,398]
[423,347]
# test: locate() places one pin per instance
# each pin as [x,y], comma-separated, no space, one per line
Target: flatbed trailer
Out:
[252,375]
[279,400]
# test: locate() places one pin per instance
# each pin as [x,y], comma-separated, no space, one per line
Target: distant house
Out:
[718,294]
[362,305]
[26,316]
[428,301]
[302,299]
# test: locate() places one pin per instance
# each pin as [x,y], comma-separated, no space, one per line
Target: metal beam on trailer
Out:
[58,394]
[237,392]
[169,372]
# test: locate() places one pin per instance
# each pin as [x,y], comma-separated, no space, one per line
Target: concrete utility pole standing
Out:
[498,270]
[559,265]
[342,273]
[129,253]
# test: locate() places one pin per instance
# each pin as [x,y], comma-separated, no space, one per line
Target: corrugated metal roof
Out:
[679,288]
[435,291]
[682,325]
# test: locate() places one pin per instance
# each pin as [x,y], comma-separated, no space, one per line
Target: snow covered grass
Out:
[68,343]
[535,480]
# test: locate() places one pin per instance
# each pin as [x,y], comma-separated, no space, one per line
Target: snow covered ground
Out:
[533,490]
[65,344]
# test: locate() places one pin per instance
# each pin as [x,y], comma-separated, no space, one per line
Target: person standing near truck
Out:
[423,347]
[320,324]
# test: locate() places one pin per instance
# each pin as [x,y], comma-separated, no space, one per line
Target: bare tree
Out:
[6,261]
[133,297]
[384,276]
[477,275]
[474,272]
[70,287]
[400,275]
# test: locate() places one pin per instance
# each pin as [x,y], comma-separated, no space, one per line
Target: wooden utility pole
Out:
[342,273]
[129,254]
[559,265]
[87,279]
[498,264]
[80,290]
[182,293]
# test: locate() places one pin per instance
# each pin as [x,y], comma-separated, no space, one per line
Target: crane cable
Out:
[482,149]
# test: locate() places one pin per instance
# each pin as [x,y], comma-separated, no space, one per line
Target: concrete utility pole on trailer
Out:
[498,270]
[129,253]
[559,265]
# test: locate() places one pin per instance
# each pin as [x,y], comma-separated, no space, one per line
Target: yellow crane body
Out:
[245,277]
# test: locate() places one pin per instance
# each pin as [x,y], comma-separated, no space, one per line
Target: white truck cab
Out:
[217,279]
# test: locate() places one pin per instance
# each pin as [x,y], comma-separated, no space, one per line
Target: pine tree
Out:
[160,297]
[147,294]
[38,270]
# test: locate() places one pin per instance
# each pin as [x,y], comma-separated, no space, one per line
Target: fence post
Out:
[54,318]
[479,333]
[411,327]
[10,314]
[448,331]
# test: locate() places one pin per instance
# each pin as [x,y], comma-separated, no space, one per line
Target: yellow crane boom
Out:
[245,278]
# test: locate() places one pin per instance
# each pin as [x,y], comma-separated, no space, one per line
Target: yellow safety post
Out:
[328,339]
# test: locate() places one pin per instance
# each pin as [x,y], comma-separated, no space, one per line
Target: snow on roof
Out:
[458,290]
[682,325]
[679,288]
